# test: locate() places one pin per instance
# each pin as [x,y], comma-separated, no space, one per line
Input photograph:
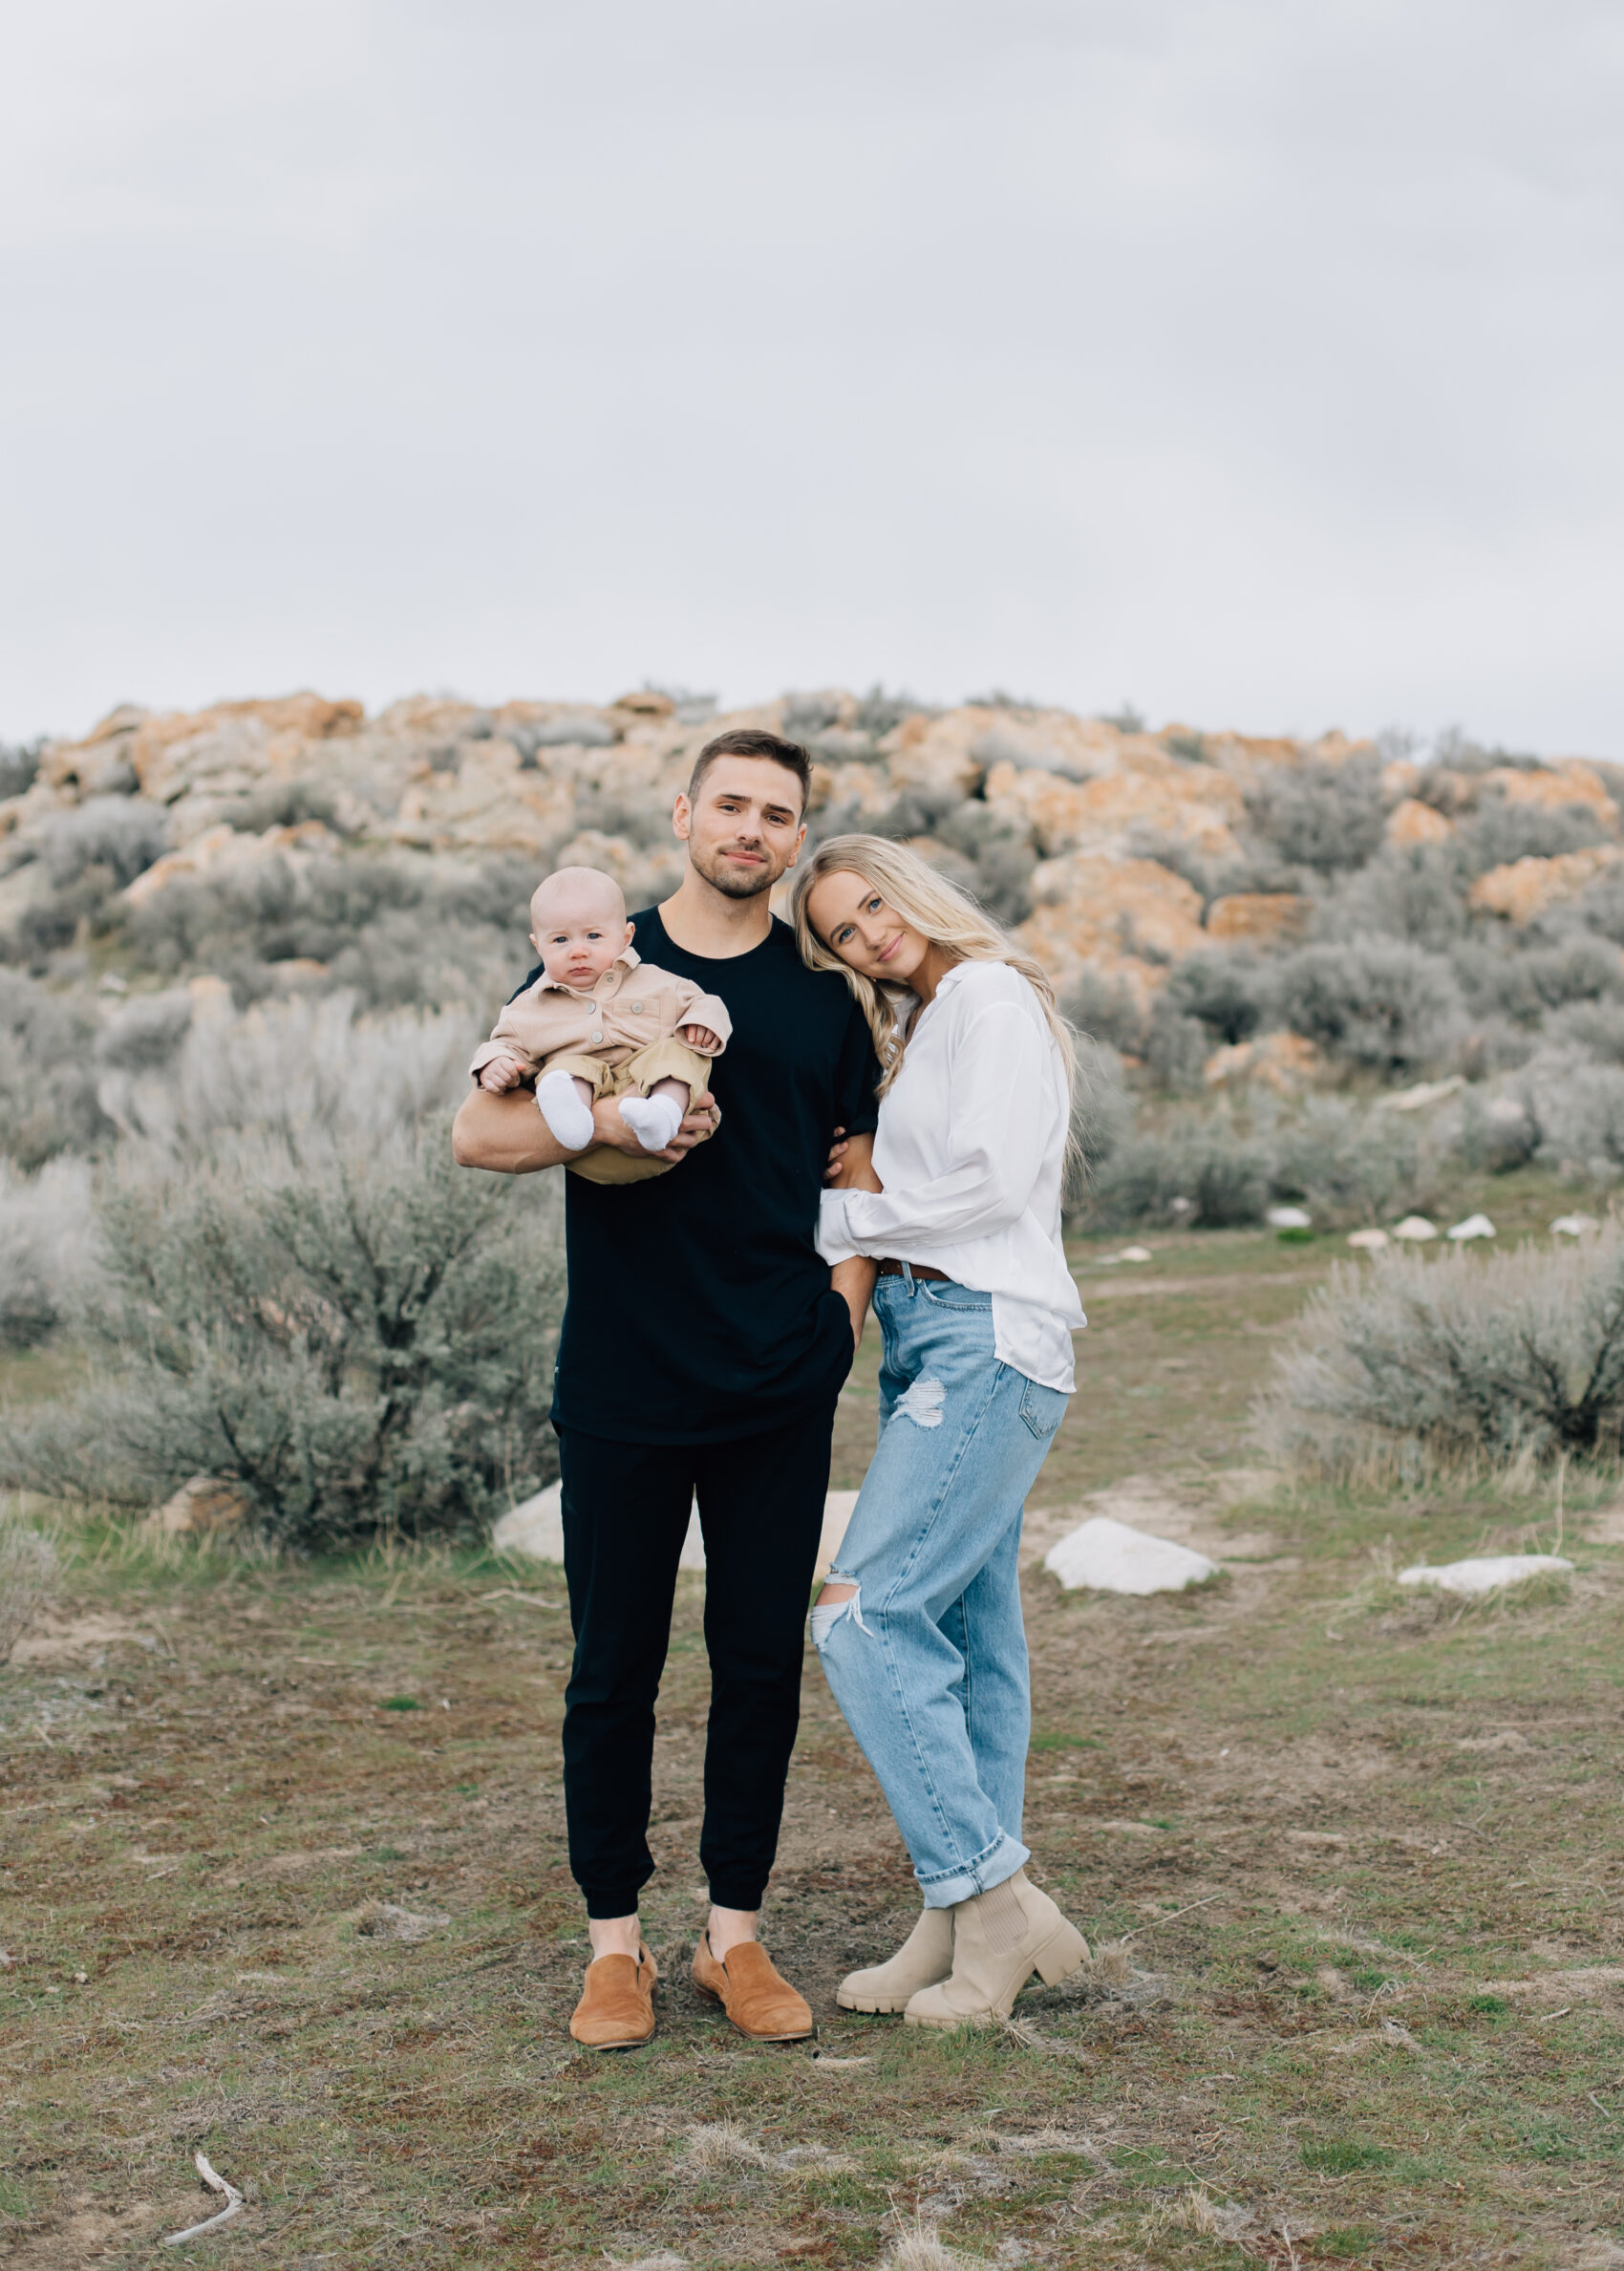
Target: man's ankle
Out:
[614,1936]
[730,1928]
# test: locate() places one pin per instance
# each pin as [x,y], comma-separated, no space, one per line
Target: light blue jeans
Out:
[928,1659]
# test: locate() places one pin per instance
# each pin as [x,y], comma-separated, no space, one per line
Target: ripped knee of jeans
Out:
[827,1614]
[922,1404]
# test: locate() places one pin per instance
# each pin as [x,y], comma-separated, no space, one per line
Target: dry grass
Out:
[721,2148]
[30,1567]
[1276,1840]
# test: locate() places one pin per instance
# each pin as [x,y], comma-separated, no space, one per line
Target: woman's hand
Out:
[851,1163]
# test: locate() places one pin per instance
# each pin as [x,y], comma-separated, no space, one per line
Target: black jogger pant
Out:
[625,1509]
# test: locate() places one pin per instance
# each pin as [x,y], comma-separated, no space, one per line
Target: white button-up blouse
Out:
[970,1149]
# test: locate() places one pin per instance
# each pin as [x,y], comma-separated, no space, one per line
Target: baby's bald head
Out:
[579,926]
[573,892]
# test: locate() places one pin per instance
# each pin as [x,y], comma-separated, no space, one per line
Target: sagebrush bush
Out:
[1414,893]
[1108,1010]
[1577,1111]
[1457,1354]
[395,931]
[48,1102]
[1199,1172]
[19,762]
[1176,1049]
[1499,832]
[295,1069]
[1597,1027]
[1348,1166]
[1230,992]
[1320,816]
[120,835]
[48,1249]
[1102,1115]
[354,1332]
[1378,1002]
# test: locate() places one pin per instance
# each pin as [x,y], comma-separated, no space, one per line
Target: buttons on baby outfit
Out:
[636,1009]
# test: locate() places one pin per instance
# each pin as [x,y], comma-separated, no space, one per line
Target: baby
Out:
[601,1022]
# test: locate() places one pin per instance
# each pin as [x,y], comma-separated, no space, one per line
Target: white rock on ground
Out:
[1110,1557]
[1574,1226]
[1486,1573]
[1415,1230]
[535,1528]
[1368,1241]
[1128,1254]
[1475,1226]
[1289,1218]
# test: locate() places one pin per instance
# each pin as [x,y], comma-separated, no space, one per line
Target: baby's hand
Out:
[500,1074]
[700,1036]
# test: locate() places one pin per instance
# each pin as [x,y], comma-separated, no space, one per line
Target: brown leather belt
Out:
[889,1268]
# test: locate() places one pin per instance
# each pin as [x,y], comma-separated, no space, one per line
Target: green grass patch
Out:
[1339,2156]
[1340,2240]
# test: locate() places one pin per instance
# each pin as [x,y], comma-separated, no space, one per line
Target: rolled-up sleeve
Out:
[995,1144]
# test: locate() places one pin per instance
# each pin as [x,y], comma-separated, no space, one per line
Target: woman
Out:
[919,1626]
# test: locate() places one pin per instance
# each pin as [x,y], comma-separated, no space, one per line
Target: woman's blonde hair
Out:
[947,916]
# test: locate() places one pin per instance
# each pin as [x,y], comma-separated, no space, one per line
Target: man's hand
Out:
[700,1036]
[854,1281]
[499,1075]
[699,1124]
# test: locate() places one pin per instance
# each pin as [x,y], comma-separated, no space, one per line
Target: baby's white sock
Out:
[558,1100]
[653,1119]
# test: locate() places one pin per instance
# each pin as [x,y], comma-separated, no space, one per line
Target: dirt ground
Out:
[282,1878]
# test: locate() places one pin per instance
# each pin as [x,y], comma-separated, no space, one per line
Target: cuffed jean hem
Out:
[621,1902]
[989,1869]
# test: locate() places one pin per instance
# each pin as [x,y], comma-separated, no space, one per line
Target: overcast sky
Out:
[1258,361]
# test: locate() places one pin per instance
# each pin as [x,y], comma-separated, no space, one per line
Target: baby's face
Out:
[579,939]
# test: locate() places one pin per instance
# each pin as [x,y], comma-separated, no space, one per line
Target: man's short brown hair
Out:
[748,740]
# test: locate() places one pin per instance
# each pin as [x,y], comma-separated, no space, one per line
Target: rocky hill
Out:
[1116,853]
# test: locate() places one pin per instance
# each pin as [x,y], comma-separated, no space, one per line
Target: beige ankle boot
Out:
[1000,1939]
[924,1958]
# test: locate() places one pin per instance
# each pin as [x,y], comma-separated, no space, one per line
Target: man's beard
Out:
[734,883]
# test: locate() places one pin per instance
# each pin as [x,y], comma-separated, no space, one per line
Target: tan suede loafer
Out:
[616,2009]
[761,2004]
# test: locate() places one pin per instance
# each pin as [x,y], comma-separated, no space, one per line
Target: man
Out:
[704,1345]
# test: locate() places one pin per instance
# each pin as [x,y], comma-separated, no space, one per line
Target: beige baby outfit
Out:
[621,1035]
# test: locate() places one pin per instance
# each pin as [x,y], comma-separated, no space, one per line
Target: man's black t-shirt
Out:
[699,1310]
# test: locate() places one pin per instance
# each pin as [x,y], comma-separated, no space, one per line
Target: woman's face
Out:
[853,920]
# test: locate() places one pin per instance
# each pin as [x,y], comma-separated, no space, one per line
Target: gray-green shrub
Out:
[1199,1171]
[1457,1355]
[48,1099]
[1348,1166]
[46,1249]
[1320,816]
[1378,1002]
[357,1333]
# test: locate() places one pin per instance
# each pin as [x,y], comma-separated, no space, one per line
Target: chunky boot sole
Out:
[874,2004]
[1063,1952]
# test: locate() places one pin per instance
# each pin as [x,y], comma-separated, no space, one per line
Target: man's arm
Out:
[854,1279]
[507,1134]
